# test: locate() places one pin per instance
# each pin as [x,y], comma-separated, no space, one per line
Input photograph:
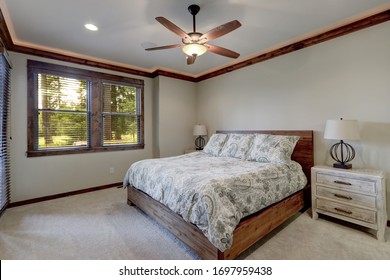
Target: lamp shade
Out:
[194,48]
[342,130]
[200,130]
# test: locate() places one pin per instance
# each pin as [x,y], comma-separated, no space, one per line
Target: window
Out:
[120,118]
[76,111]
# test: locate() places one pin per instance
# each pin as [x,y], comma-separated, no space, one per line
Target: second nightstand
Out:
[354,195]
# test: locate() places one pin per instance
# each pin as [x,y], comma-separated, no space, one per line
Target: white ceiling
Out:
[126,27]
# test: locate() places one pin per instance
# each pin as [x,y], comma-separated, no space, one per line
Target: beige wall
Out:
[347,77]
[176,111]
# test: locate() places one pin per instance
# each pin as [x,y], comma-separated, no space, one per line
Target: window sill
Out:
[56,152]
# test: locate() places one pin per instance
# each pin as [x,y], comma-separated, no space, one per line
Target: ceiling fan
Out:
[194,43]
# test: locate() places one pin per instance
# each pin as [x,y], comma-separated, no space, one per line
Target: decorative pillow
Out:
[272,148]
[215,143]
[237,146]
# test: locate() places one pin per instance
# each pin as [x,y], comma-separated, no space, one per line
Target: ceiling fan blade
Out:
[219,31]
[164,47]
[173,27]
[191,59]
[222,51]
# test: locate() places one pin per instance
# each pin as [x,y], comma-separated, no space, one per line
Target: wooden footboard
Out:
[249,230]
[255,227]
[247,233]
[186,232]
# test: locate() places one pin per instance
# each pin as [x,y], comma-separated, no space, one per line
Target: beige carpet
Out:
[100,225]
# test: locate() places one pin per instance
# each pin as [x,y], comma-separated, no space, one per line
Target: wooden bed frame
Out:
[252,228]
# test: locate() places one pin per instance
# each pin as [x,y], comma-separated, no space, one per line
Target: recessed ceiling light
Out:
[91,27]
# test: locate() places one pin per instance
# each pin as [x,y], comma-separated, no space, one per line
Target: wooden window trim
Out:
[96,144]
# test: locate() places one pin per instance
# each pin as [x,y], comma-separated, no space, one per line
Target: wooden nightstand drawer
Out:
[347,197]
[355,195]
[364,215]
[346,183]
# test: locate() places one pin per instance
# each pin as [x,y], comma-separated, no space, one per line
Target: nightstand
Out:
[354,195]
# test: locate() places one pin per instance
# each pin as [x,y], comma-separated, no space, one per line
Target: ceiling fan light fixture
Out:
[91,27]
[194,48]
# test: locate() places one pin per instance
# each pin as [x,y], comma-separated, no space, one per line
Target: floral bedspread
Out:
[214,193]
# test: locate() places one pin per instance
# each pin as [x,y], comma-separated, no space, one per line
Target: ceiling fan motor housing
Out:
[193,37]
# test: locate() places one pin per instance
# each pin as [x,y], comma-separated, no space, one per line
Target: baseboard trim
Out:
[55,196]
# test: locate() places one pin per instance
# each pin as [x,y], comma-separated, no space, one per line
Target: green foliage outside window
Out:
[119,109]
[72,110]
[62,109]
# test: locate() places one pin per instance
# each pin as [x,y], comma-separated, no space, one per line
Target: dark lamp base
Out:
[199,143]
[342,165]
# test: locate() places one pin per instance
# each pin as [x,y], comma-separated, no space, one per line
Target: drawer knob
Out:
[343,211]
[342,183]
[342,196]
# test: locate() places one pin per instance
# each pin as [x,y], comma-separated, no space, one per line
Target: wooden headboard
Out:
[303,152]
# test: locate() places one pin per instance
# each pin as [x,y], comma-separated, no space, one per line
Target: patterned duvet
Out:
[215,193]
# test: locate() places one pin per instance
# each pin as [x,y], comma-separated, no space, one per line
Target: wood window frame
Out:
[95,104]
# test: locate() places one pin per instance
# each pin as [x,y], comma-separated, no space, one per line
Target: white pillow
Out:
[215,143]
[237,146]
[272,148]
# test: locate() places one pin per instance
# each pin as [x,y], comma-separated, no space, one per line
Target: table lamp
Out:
[200,131]
[342,130]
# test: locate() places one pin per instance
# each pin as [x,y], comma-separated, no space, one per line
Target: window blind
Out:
[4,133]
[63,115]
[120,114]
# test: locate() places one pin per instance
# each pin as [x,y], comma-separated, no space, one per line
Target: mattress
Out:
[215,193]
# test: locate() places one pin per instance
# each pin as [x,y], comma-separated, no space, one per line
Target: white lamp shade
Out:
[200,129]
[194,48]
[342,130]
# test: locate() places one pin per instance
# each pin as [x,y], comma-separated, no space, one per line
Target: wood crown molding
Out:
[313,40]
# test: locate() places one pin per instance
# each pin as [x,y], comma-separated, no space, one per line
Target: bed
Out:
[188,217]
